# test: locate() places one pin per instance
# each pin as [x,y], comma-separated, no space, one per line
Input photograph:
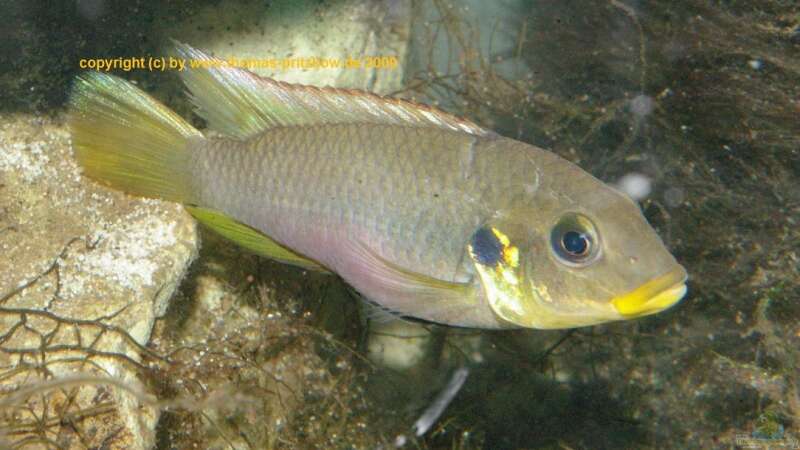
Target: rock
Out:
[398,344]
[84,273]
[306,42]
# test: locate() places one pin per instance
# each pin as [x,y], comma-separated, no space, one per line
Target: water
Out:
[691,107]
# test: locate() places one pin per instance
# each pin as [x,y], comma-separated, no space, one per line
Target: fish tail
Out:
[125,138]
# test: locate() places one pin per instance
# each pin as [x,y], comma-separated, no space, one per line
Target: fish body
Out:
[426,214]
[413,195]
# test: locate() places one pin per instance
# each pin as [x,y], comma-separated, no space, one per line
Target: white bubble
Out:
[673,197]
[91,9]
[755,64]
[636,185]
[642,105]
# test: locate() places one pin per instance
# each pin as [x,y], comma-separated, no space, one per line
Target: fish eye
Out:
[574,240]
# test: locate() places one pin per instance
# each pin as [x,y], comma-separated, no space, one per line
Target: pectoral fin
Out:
[405,291]
[250,238]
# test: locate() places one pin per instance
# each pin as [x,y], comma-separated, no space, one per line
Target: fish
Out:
[425,214]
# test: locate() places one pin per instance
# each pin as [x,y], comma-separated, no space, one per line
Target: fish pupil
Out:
[575,243]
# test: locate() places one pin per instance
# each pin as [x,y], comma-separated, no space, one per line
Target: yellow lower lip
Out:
[654,296]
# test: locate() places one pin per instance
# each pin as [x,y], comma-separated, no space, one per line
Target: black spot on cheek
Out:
[486,247]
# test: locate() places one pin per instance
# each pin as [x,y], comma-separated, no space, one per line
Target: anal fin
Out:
[250,238]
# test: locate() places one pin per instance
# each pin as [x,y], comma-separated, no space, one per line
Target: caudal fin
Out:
[125,138]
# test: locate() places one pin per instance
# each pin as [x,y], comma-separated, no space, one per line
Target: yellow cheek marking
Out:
[501,281]
[501,237]
[511,256]
[508,275]
[510,253]
[510,259]
[541,292]
[502,295]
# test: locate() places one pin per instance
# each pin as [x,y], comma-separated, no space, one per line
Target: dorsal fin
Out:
[241,104]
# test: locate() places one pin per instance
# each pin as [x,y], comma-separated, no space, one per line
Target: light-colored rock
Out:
[398,345]
[84,273]
[296,33]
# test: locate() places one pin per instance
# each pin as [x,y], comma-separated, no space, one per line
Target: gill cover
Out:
[496,260]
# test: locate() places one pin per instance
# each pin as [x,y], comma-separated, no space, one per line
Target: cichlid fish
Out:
[426,214]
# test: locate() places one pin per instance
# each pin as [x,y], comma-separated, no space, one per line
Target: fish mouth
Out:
[653,296]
